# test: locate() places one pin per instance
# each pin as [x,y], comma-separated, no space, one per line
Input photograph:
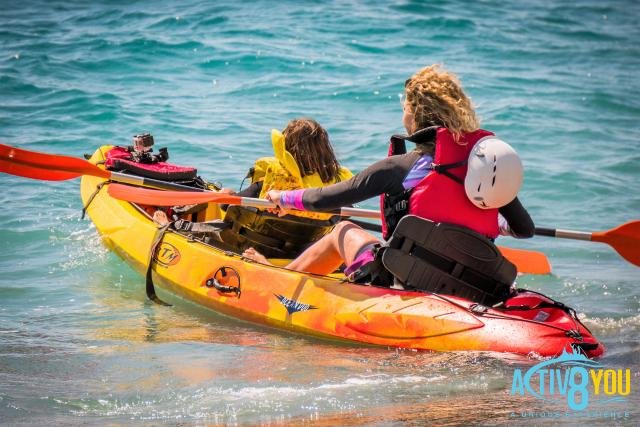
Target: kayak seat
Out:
[448,259]
[271,235]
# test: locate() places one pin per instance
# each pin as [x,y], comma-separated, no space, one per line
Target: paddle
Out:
[625,238]
[172,198]
[527,262]
[52,167]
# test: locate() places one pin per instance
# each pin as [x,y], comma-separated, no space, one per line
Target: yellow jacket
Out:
[282,173]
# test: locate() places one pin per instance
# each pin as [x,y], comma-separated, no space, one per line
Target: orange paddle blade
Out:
[527,262]
[625,239]
[168,198]
[51,167]
[19,169]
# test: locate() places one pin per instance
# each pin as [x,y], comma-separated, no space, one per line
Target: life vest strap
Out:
[395,206]
[444,170]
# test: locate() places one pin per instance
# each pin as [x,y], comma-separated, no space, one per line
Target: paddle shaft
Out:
[344,211]
[624,239]
[153,197]
[563,234]
[35,165]
[139,181]
[357,212]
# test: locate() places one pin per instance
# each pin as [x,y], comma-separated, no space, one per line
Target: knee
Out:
[342,226]
[339,231]
[348,232]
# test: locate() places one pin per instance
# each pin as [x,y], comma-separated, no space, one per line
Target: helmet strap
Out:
[444,170]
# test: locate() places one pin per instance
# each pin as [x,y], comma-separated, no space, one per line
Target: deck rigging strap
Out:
[93,196]
[150,288]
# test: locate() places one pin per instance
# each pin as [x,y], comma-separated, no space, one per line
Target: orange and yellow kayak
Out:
[326,306]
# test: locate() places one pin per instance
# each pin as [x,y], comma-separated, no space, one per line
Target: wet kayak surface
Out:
[79,342]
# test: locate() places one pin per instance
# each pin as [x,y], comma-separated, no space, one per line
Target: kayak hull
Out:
[320,305]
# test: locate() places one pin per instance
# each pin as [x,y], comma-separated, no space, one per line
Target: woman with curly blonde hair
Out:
[435,97]
[439,118]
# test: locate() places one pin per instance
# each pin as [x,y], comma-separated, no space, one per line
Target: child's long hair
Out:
[308,143]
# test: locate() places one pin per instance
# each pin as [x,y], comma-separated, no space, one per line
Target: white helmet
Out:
[494,173]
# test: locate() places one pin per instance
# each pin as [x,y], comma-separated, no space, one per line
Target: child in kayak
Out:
[439,117]
[303,158]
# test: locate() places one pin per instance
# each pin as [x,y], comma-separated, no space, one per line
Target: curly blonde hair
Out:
[435,97]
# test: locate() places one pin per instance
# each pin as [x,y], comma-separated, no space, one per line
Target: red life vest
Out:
[441,199]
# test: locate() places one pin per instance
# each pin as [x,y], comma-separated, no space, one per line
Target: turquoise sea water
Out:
[79,342]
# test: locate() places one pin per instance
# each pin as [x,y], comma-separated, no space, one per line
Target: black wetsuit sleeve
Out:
[518,218]
[384,176]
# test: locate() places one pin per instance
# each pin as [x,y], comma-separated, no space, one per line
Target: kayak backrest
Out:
[448,259]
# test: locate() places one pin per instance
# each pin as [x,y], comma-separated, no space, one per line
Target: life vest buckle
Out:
[401,206]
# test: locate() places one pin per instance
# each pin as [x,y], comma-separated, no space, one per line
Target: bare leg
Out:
[251,253]
[341,245]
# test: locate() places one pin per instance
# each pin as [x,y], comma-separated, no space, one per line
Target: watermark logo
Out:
[574,378]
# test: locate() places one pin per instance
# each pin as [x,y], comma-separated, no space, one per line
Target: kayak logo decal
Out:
[576,380]
[293,306]
[167,254]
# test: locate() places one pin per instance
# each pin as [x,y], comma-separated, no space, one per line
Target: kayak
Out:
[326,306]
